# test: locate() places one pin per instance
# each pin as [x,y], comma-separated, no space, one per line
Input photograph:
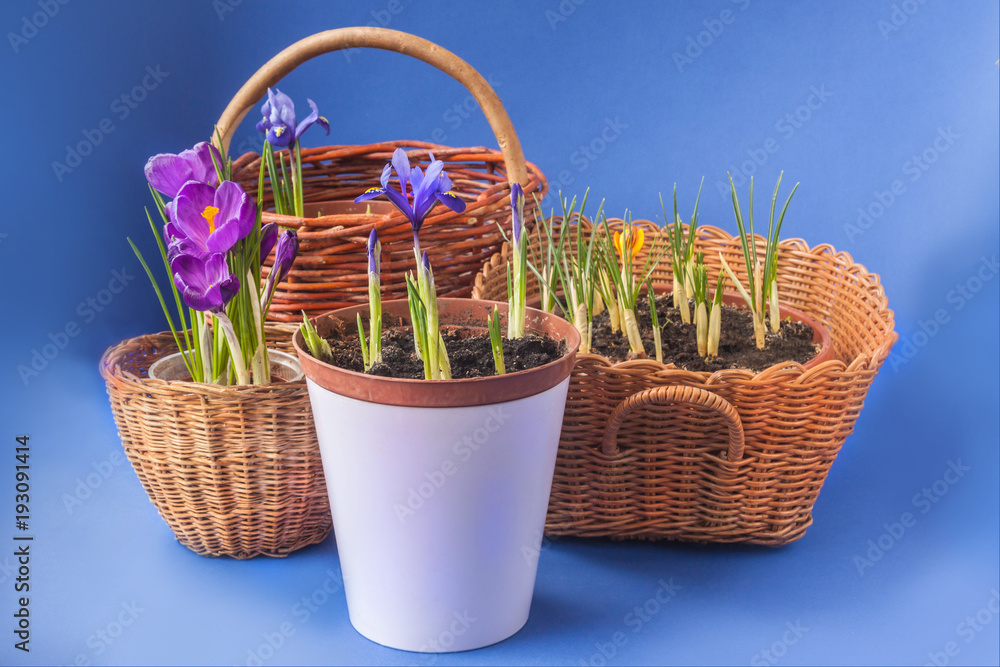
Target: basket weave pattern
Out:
[331,270]
[234,471]
[649,451]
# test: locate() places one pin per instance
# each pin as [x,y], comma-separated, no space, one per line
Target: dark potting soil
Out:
[469,351]
[737,346]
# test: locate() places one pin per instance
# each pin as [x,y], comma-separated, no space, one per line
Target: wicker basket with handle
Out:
[653,452]
[331,269]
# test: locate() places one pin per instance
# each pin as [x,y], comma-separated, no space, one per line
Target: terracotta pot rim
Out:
[443,393]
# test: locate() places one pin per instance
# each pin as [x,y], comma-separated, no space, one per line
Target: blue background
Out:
[898,80]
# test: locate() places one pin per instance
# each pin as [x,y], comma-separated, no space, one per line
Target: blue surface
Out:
[888,81]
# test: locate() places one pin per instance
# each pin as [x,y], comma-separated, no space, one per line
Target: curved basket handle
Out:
[388,40]
[674,395]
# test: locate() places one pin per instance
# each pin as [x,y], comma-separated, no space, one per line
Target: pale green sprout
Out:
[657,334]
[700,284]
[682,254]
[618,252]
[422,299]
[715,318]
[517,270]
[318,347]
[371,352]
[496,341]
[574,272]
[761,274]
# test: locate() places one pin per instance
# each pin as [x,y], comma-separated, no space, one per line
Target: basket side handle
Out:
[676,395]
[389,40]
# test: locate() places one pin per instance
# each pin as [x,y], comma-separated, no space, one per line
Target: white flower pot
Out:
[439,489]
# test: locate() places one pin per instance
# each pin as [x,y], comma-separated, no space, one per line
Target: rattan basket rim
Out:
[111,370]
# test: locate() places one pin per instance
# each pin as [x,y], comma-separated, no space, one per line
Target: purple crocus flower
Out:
[517,212]
[268,236]
[374,254]
[284,256]
[278,122]
[205,283]
[204,220]
[425,190]
[168,173]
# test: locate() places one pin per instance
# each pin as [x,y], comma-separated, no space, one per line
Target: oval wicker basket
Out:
[653,452]
[331,269]
[233,471]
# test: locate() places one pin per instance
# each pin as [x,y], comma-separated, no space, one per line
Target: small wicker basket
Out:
[331,269]
[652,452]
[234,471]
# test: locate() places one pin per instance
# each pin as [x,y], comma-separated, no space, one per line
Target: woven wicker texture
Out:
[234,471]
[652,452]
[331,269]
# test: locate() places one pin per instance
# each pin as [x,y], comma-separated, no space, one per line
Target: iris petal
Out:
[452,201]
[401,164]
[370,193]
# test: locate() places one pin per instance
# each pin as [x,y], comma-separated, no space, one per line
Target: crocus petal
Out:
[168,173]
[204,283]
[224,237]
[234,204]
[189,206]
[284,254]
[203,158]
[386,172]
[268,237]
[183,246]
[228,289]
